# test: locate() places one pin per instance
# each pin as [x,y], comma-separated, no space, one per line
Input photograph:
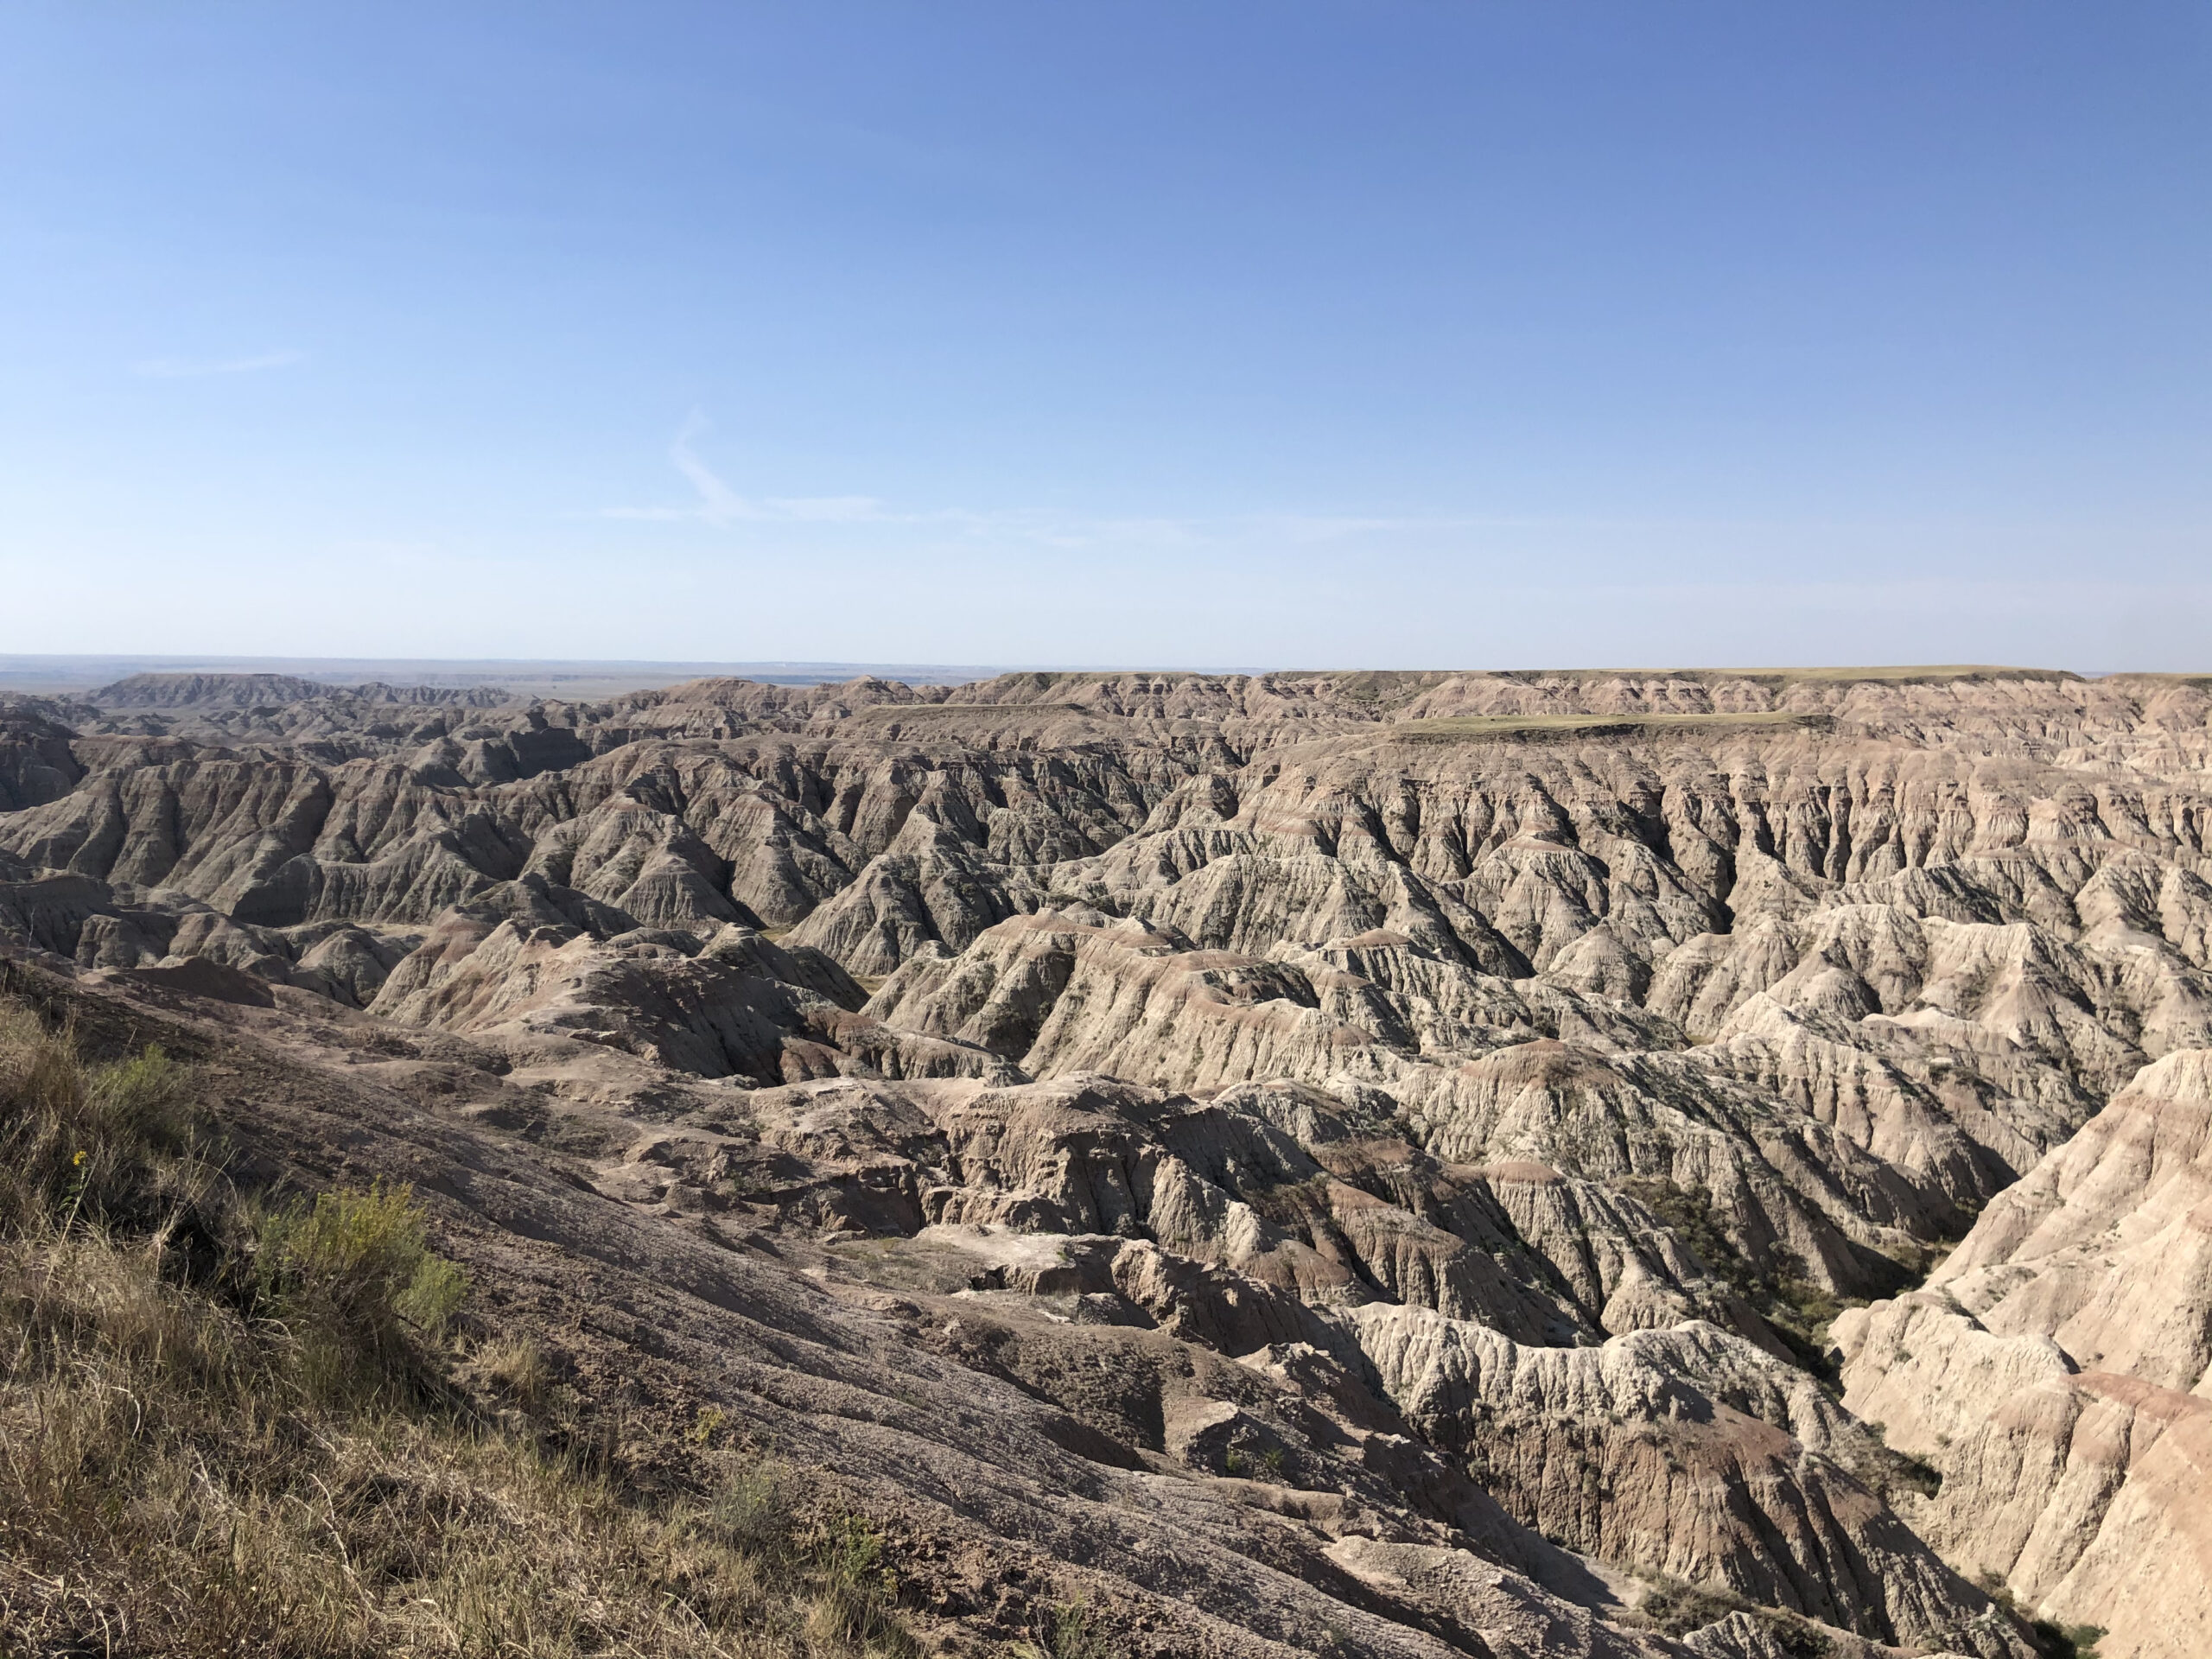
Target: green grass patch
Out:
[356,1285]
[1463,728]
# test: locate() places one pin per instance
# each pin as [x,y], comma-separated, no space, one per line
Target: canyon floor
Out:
[1706,1163]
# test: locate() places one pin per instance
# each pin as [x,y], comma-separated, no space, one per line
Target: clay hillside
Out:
[1707,1163]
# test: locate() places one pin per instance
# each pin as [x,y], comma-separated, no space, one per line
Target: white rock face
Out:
[2059,1372]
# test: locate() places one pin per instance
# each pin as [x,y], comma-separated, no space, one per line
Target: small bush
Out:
[751,1511]
[852,1553]
[2068,1641]
[854,1605]
[1063,1631]
[353,1278]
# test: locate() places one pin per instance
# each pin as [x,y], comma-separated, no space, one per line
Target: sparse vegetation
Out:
[1798,1311]
[1292,1205]
[2051,1639]
[228,1428]
[1887,1472]
[567,1394]
[2068,1641]
[1464,727]
[1677,1609]
[1063,1631]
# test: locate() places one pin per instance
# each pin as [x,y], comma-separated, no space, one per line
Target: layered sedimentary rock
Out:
[1611,1450]
[2058,1369]
[1520,1072]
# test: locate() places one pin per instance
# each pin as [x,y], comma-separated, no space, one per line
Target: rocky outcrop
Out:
[1609,1450]
[645,863]
[531,961]
[929,887]
[2055,1372]
[37,764]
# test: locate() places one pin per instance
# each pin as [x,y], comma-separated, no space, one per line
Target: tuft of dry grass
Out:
[1063,1631]
[104,1145]
[259,1445]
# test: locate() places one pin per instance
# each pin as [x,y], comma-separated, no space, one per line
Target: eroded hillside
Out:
[1422,1163]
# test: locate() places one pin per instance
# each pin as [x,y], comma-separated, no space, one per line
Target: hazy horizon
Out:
[77,675]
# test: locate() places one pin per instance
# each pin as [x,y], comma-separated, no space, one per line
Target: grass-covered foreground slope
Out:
[231,1424]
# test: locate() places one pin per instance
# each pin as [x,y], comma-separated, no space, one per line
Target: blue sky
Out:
[1271,334]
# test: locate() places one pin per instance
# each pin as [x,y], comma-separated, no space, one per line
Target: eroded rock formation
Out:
[1427,1123]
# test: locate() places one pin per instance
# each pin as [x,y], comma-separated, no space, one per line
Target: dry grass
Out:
[225,1430]
[1063,1631]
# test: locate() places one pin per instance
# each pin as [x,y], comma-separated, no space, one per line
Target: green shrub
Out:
[2068,1641]
[353,1278]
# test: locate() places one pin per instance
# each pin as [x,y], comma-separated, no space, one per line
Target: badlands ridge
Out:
[1709,1163]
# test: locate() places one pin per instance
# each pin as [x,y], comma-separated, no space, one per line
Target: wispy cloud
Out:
[182,368]
[718,504]
[1238,536]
